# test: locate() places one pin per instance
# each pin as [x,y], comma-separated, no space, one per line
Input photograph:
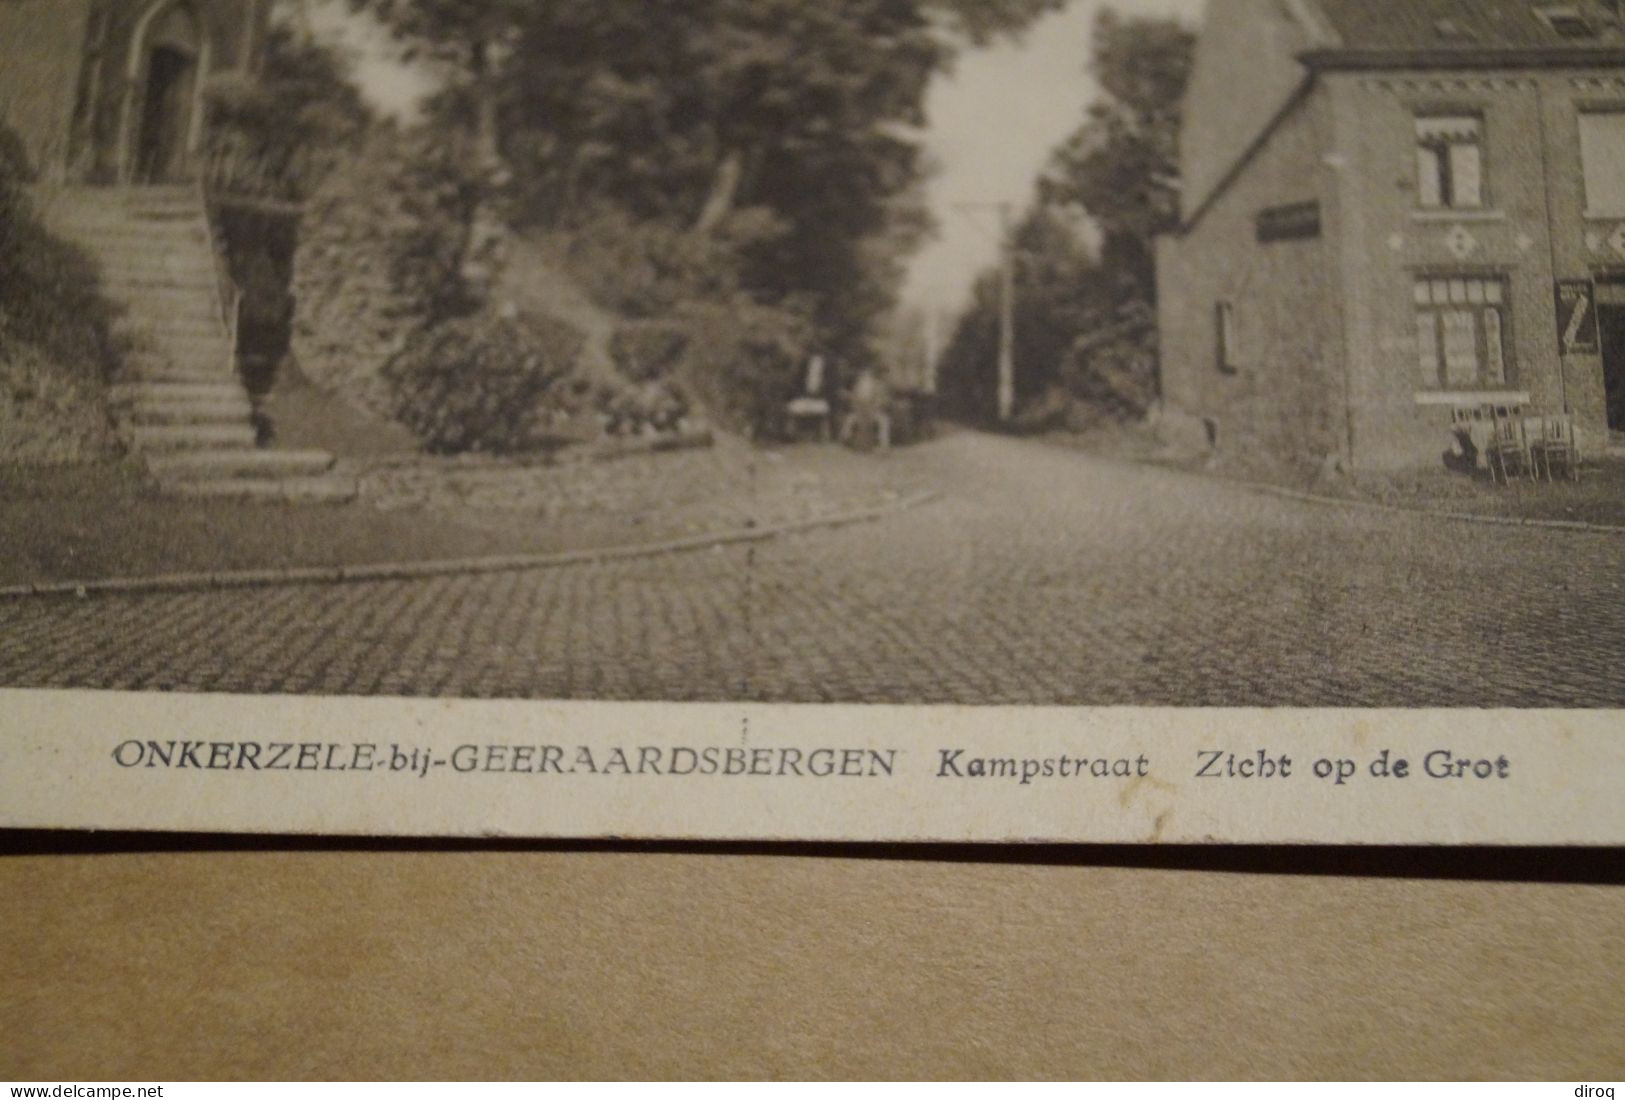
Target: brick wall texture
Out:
[1326,361]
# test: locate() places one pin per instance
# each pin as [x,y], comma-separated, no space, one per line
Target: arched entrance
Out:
[168,58]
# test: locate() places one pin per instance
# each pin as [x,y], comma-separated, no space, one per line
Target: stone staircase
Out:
[178,401]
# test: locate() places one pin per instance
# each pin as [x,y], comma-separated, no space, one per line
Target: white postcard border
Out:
[292,765]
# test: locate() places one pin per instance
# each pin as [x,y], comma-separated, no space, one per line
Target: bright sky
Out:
[391,86]
[992,124]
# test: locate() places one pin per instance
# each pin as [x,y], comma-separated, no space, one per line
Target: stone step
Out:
[164,211]
[181,375]
[125,294]
[103,195]
[164,219]
[151,438]
[154,412]
[155,264]
[150,364]
[116,242]
[180,346]
[120,287]
[216,465]
[144,246]
[177,304]
[160,392]
[183,312]
[158,321]
[200,285]
[320,489]
[160,275]
[189,350]
[142,253]
[182,365]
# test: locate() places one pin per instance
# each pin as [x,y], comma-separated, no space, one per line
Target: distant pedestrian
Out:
[868,403]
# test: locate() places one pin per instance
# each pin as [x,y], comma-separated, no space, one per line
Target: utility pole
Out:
[1007,318]
[1007,303]
[928,369]
[305,19]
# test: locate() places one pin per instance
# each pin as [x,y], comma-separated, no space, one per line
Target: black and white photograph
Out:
[895,351]
[811,540]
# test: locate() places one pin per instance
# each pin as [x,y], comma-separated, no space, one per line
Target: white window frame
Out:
[1592,156]
[1227,353]
[1443,165]
[1451,307]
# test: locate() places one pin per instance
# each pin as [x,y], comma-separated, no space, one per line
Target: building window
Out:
[1450,162]
[1602,155]
[1461,333]
[1224,328]
[1567,20]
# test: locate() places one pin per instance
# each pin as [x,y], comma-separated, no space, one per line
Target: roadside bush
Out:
[48,417]
[647,350]
[645,269]
[54,347]
[654,408]
[48,295]
[486,384]
[743,362]
[377,263]
[1114,368]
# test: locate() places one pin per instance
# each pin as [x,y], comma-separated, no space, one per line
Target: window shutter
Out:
[1602,154]
[1466,176]
[1430,177]
[1427,349]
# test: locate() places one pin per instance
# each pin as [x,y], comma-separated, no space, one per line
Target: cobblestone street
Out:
[1040,576]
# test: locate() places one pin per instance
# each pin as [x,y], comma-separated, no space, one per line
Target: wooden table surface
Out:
[136,960]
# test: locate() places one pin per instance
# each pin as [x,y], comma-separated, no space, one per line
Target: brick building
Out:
[111,91]
[1394,209]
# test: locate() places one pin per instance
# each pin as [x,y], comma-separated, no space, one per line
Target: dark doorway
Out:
[1611,326]
[166,116]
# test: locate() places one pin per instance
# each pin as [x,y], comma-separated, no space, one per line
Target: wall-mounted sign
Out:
[1577,317]
[1298,222]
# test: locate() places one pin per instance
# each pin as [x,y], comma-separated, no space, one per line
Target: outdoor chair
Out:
[812,406]
[809,410]
[1554,445]
[1508,449]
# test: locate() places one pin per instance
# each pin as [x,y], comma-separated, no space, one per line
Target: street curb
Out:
[509,563]
[1455,517]
[1305,497]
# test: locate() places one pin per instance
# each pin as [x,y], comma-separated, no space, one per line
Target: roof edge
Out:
[1289,107]
[1545,57]
[1308,15]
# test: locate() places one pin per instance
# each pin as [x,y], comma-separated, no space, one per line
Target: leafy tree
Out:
[792,116]
[1122,165]
[782,129]
[277,133]
[1086,308]
[468,39]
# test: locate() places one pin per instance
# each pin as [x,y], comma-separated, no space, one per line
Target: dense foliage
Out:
[48,295]
[753,156]
[54,344]
[380,246]
[478,383]
[1085,317]
[277,135]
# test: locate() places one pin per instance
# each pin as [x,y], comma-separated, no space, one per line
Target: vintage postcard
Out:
[1122,421]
